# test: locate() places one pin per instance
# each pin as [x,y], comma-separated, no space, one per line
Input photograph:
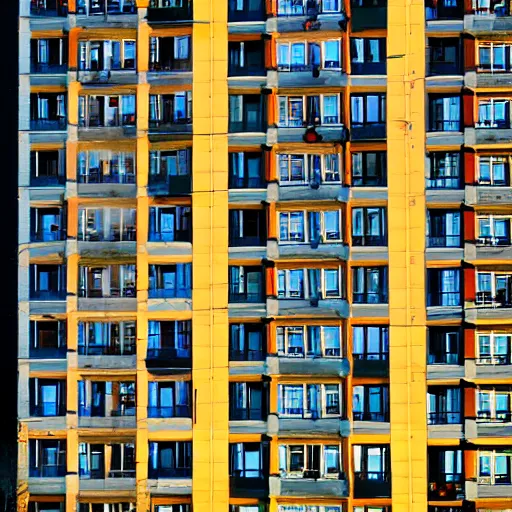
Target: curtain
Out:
[314,341]
[357,50]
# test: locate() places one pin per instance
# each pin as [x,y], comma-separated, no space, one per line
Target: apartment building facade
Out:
[265,256]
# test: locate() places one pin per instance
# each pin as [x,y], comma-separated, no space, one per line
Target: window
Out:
[246,284]
[444,346]
[443,287]
[170,338]
[371,462]
[48,55]
[245,113]
[47,458]
[47,397]
[106,224]
[246,460]
[494,171]
[370,343]
[493,289]
[309,341]
[247,401]
[494,404]
[247,228]
[443,405]
[369,227]
[309,283]
[246,58]
[170,281]
[169,399]
[245,170]
[309,400]
[444,170]
[493,348]
[304,226]
[367,109]
[48,8]
[170,459]
[493,113]
[444,56]
[309,461]
[170,224]
[370,403]
[47,282]
[494,57]
[443,228]
[445,114]
[107,281]
[246,342]
[169,172]
[370,285]
[445,474]
[368,56]
[483,7]
[107,55]
[246,10]
[170,109]
[106,167]
[97,398]
[369,169]
[494,467]
[309,508]
[182,507]
[48,338]
[46,224]
[301,169]
[106,338]
[43,506]
[304,56]
[108,507]
[93,463]
[494,230]
[170,53]
[106,111]
[309,8]
[46,168]
[299,111]
[48,111]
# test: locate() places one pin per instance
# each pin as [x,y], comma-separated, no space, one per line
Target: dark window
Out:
[107,281]
[92,7]
[47,282]
[103,399]
[246,170]
[444,405]
[247,228]
[47,397]
[369,227]
[245,113]
[246,58]
[167,110]
[47,458]
[369,169]
[444,9]
[247,401]
[170,172]
[445,56]
[444,170]
[106,111]
[169,399]
[170,224]
[48,111]
[368,56]
[368,116]
[445,474]
[444,346]
[170,281]
[48,55]
[246,342]
[170,53]
[370,285]
[49,7]
[170,338]
[443,287]
[371,462]
[46,168]
[370,403]
[370,343]
[106,56]
[170,459]
[246,10]
[106,338]
[445,113]
[443,228]
[246,460]
[47,339]
[46,224]
[246,284]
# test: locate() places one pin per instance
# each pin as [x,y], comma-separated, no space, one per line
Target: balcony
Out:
[57,124]
[311,485]
[476,136]
[49,8]
[447,488]
[368,132]
[159,14]
[248,484]
[47,68]
[368,68]
[445,425]
[121,417]
[367,366]
[168,358]
[367,16]
[318,365]
[307,427]
[372,484]
[483,488]
[170,185]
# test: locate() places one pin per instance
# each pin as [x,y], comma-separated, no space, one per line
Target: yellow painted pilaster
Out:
[406,210]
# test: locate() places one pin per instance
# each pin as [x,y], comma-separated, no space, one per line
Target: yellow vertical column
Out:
[406,203]
[210,481]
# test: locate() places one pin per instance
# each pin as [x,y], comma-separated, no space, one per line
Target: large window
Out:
[309,341]
[246,58]
[170,224]
[308,7]
[309,461]
[48,111]
[171,338]
[106,338]
[170,281]
[368,56]
[494,229]
[247,401]
[370,285]
[47,282]
[445,113]
[309,400]
[493,289]
[246,284]
[494,57]
[46,224]
[47,458]
[247,228]
[106,111]
[370,342]
[171,399]
[170,53]
[48,339]
[302,226]
[445,474]
[47,397]
[494,170]
[246,10]
[367,110]
[297,169]
[245,113]
[299,111]
[443,228]
[444,170]
[246,342]
[494,467]
[49,55]
[170,109]
[106,166]
[107,281]
[104,398]
[369,226]
[107,55]
[369,169]
[247,460]
[443,405]
[170,459]
[493,347]
[245,170]
[493,113]
[303,56]
[106,224]
[370,403]
[494,404]
[371,462]
[47,168]
[444,56]
[444,345]
[443,287]
[310,283]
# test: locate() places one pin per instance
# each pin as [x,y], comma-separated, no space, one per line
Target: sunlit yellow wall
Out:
[406,207]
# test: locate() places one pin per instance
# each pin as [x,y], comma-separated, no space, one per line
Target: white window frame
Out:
[492,404]
[305,280]
[287,66]
[288,98]
[491,335]
[492,240]
[492,46]
[492,160]
[308,170]
[84,105]
[287,473]
[286,334]
[492,102]
[493,275]
[492,454]
[305,223]
[85,47]
[323,399]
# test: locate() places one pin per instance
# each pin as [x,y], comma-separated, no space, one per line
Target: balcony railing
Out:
[246,71]
[496,359]
[177,411]
[368,68]
[47,181]
[247,241]
[240,298]
[121,473]
[48,410]
[236,182]
[494,241]
[48,353]
[255,414]
[170,14]
[169,358]
[369,240]
[99,412]
[55,69]
[48,124]
[94,176]
[486,300]
[248,355]
[176,236]
[245,126]
[371,416]
[444,68]
[444,358]
[444,418]
[173,293]
[372,484]
[499,417]
[170,473]
[48,471]
[444,241]
[379,297]
[48,295]
[369,131]
[445,126]
[449,488]
[443,182]
[37,10]
[170,67]
[447,299]
[48,236]
[170,186]
[125,349]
